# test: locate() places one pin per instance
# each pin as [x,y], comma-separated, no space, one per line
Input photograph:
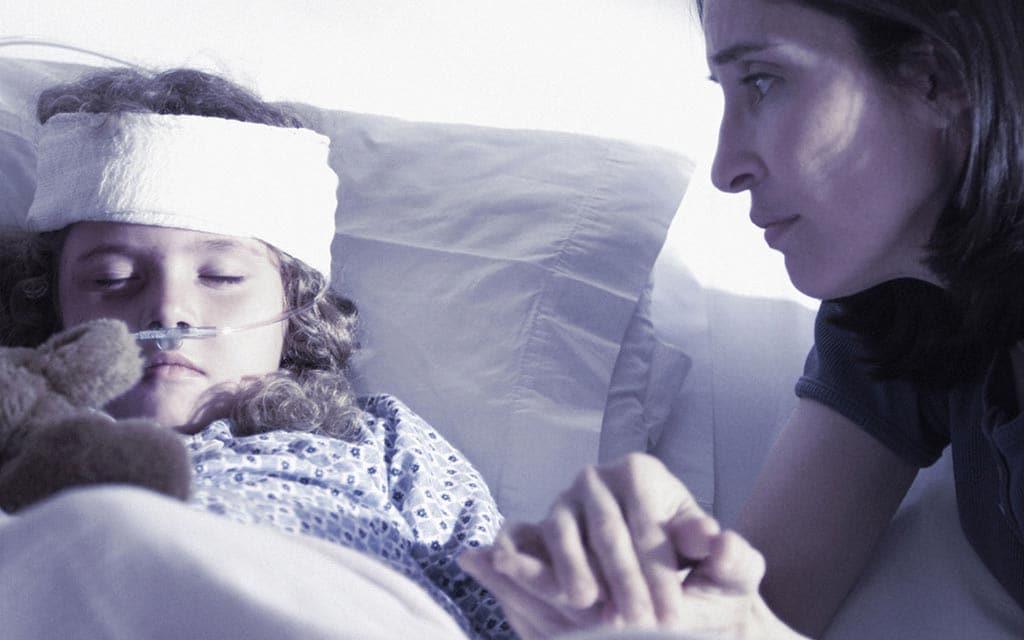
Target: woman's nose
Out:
[737,166]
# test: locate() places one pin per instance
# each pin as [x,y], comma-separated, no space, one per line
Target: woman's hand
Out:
[626,545]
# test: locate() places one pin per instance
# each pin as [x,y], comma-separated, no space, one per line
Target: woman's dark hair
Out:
[311,390]
[938,335]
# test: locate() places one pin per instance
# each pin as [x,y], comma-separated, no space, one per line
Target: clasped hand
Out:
[627,546]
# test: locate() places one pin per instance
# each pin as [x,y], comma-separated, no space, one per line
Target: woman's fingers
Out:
[653,502]
[614,544]
[519,553]
[611,542]
[659,563]
[692,537]
[532,615]
[627,544]
[563,534]
[524,554]
[583,554]
[610,533]
[733,565]
[529,623]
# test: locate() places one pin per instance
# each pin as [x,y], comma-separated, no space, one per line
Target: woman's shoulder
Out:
[839,373]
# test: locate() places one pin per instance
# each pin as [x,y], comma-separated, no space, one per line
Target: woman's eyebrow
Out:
[735,52]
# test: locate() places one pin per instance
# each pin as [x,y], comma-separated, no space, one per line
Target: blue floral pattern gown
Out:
[400,492]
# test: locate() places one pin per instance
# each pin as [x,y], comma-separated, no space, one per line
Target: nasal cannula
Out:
[169,338]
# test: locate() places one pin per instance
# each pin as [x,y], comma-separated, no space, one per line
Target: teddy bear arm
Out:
[89,448]
[19,398]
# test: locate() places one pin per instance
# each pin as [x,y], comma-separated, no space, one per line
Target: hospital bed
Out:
[528,292]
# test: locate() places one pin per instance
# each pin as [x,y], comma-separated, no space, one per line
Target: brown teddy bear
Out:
[53,433]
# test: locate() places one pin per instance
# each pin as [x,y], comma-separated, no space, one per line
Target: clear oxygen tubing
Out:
[169,338]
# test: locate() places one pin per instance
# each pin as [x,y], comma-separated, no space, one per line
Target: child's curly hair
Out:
[310,391]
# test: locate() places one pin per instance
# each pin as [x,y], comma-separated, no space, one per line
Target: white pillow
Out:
[496,272]
[20,81]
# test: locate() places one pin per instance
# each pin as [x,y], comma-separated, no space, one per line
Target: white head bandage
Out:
[190,172]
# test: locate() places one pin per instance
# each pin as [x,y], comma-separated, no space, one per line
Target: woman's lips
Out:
[775,229]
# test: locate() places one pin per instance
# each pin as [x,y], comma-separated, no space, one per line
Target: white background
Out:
[630,69]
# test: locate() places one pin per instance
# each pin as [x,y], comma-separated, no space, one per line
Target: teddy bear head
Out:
[81,368]
[89,364]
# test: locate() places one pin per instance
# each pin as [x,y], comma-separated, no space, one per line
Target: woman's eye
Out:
[759,84]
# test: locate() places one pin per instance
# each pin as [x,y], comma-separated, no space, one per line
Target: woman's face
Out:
[160,277]
[847,173]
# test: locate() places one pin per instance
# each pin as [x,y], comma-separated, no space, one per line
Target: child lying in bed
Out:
[179,201]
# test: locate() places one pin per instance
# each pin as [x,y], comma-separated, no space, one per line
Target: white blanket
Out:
[128,564]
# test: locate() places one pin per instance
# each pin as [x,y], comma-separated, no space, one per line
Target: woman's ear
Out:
[933,83]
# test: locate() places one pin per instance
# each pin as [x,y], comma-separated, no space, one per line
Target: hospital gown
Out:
[400,493]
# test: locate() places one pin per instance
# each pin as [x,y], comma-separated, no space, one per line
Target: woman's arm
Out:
[824,496]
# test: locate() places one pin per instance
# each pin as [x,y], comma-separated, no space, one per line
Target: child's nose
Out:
[169,303]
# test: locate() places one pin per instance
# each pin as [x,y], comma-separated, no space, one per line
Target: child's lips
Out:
[171,366]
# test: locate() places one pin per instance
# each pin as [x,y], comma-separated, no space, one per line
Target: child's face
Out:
[153,277]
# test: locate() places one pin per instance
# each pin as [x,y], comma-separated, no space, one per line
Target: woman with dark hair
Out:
[202,217]
[882,145]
